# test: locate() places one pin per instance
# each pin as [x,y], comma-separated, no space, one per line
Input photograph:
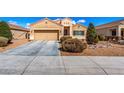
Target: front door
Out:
[122,35]
[65,32]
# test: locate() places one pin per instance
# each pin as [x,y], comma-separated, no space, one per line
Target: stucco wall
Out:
[121,26]
[105,31]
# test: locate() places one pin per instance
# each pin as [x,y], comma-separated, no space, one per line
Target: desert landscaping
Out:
[13,44]
[100,49]
[11,36]
[94,45]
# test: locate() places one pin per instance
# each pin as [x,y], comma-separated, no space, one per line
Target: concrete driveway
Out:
[42,58]
[36,48]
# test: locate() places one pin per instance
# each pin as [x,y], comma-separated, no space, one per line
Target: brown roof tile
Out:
[79,24]
[111,24]
[45,19]
[16,27]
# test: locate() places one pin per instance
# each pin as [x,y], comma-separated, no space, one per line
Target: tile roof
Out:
[16,27]
[58,21]
[45,19]
[79,24]
[111,24]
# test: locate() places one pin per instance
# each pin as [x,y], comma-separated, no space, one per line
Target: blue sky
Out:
[25,21]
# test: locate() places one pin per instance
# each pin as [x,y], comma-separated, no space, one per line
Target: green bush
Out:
[3,41]
[73,45]
[101,37]
[62,39]
[5,31]
[96,40]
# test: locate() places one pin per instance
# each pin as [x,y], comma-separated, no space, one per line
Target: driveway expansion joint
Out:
[98,65]
[28,65]
[63,63]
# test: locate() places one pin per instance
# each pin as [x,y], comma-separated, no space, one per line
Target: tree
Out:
[91,34]
[5,30]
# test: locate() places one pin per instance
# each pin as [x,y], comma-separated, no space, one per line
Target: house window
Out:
[78,33]
[113,32]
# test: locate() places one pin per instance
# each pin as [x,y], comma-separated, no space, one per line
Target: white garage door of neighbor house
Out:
[46,35]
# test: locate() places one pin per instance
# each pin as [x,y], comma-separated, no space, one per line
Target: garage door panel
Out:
[46,35]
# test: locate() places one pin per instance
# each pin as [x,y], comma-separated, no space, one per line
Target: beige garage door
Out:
[46,35]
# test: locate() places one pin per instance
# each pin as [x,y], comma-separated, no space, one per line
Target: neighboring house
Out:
[54,29]
[113,30]
[19,32]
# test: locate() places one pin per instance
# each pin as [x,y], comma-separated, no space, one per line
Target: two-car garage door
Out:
[46,34]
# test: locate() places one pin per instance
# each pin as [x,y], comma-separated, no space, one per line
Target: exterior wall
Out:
[17,34]
[120,36]
[121,26]
[61,33]
[79,28]
[31,34]
[119,30]
[106,31]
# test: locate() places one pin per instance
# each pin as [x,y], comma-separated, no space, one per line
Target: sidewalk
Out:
[61,65]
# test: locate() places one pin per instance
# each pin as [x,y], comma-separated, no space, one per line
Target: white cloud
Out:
[27,25]
[73,22]
[57,19]
[12,22]
[81,21]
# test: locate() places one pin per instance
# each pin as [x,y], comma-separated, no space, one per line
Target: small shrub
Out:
[3,41]
[62,39]
[101,37]
[84,45]
[73,45]
[96,40]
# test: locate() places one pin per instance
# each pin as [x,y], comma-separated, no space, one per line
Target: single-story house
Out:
[47,29]
[112,30]
[19,32]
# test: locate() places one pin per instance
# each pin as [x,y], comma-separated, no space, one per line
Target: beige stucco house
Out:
[47,29]
[113,30]
[19,32]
